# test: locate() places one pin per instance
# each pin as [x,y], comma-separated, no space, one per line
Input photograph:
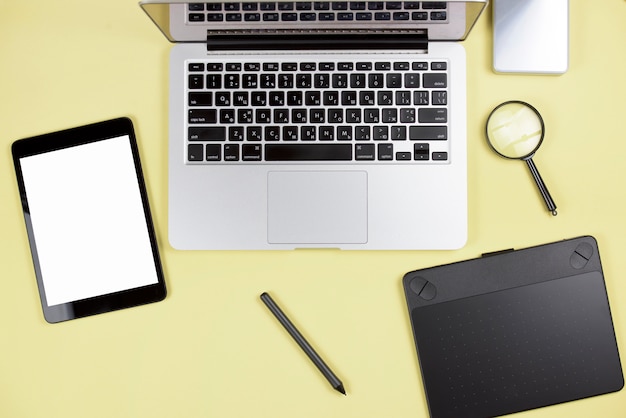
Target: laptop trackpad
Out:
[317,207]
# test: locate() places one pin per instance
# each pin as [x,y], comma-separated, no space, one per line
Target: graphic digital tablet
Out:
[514,330]
[88,220]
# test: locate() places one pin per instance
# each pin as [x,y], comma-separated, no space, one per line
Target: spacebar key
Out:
[308,152]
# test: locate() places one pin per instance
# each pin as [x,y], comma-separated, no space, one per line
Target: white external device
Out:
[531,36]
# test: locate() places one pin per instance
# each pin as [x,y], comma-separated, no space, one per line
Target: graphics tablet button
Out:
[585,250]
[577,261]
[425,289]
[581,255]
[417,284]
[429,292]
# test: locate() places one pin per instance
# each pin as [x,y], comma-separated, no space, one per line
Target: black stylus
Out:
[303,343]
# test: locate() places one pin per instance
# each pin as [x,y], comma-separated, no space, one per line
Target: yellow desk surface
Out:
[212,349]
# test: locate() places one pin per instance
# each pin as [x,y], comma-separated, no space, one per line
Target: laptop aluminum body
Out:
[368,205]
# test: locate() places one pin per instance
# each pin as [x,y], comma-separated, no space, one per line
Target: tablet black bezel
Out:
[74,137]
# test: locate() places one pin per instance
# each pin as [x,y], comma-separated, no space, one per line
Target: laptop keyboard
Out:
[251,109]
[318,11]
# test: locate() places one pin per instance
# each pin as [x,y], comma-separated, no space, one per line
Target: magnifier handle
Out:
[542,186]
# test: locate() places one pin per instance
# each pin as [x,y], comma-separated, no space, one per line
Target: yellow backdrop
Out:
[212,349]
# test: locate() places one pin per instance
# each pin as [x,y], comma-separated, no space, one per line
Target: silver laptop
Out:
[330,124]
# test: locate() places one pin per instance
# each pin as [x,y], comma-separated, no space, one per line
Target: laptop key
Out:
[196,17]
[231,152]
[440,97]
[411,5]
[435,80]
[438,16]
[214,6]
[432,115]
[344,133]
[434,5]
[202,116]
[420,98]
[285,5]
[321,5]
[195,66]
[210,133]
[401,16]
[308,152]
[196,81]
[364,152]
[214,17]
[196,6]
[271,66]
[385,152]
[398,133]
[270,17]
[422,133]
[213,152]
[289,17]
[326,133]
[340,5]
[290,133]
[421,152]
[252,17]
[214,81]
[252,66]
[200,98]
[233,17]
[195,152]
[235,133]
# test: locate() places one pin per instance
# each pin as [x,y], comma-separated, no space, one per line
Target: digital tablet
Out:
[514,330]
[88,220]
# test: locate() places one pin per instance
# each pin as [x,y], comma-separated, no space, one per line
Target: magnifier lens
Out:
[515,130]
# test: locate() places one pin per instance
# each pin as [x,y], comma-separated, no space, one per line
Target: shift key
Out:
[424,133]
[211,133]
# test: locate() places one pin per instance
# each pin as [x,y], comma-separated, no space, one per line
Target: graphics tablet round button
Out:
[429,292]
[581,255]
[417,284]
[585,250]
[577,261]
[425,289]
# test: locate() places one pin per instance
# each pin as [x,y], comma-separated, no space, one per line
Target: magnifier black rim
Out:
[543,130]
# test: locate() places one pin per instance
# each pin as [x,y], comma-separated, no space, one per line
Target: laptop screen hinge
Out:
[416,41]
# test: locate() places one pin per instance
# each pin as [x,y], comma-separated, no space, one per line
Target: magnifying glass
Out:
[515,130]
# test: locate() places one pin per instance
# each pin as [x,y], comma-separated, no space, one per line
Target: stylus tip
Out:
[341,389]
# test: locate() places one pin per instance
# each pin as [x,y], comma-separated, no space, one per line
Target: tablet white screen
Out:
[88,220]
